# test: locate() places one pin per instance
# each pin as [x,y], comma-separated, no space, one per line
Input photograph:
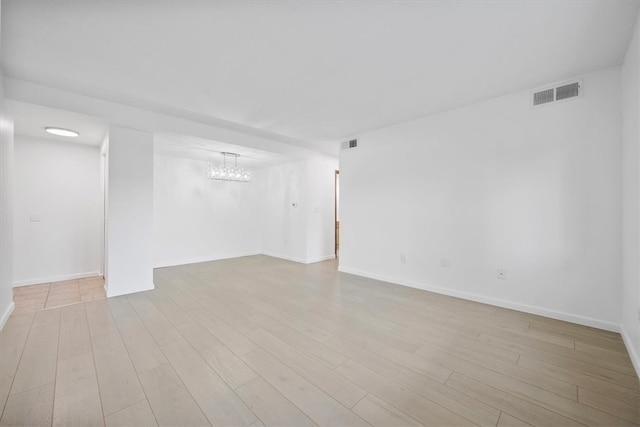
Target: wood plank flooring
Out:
[259,341]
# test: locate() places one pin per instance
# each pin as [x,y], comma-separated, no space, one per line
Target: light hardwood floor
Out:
[260,341]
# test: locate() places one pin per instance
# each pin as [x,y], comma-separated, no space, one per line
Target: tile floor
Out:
[57,294]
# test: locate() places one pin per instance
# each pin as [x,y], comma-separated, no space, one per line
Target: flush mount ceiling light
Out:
[229,173]
[62,132]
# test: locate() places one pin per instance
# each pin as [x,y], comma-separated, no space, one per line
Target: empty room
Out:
[319,213]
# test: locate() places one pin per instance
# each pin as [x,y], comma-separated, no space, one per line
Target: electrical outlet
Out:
[445,262]
[403,258]
[502,274]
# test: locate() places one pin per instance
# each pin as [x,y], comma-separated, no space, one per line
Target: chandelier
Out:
[229,173]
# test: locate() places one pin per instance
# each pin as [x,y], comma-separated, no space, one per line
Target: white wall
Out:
[297,209]
[129,211]
[631,197]
[58,182]
[197,219]
[154,122]
[497,184]
[320,208]
[6,209]
[284,211]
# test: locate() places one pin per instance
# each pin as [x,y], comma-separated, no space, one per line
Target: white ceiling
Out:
[189,147]
[314,71]
[31,120]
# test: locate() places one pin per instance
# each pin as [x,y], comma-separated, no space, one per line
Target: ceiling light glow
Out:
[62,132]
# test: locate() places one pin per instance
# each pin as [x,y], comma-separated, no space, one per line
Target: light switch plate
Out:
[34,218]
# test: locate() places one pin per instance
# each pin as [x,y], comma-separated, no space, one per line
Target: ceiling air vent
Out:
[350,144]
[558,93]
[543,97]
[567,91]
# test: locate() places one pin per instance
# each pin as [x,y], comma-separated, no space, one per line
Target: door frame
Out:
[336,224]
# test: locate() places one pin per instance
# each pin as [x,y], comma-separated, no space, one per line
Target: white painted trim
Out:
[300,260]
[56,278]
[320,259]
[559,315]
[6,314]
[196,260]
[288,258]
[633,354]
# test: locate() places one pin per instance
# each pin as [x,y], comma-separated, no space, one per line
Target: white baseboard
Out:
[300,260]
[6,314]
[321,258]
[56,278]
[184,261]
[554,314]
[633,352]
[288,258]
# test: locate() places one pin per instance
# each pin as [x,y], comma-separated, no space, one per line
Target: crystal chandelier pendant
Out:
[229,173]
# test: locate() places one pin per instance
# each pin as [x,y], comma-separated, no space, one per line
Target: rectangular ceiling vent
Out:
[350,144]
[567,91]
[558,93]
[543,97]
